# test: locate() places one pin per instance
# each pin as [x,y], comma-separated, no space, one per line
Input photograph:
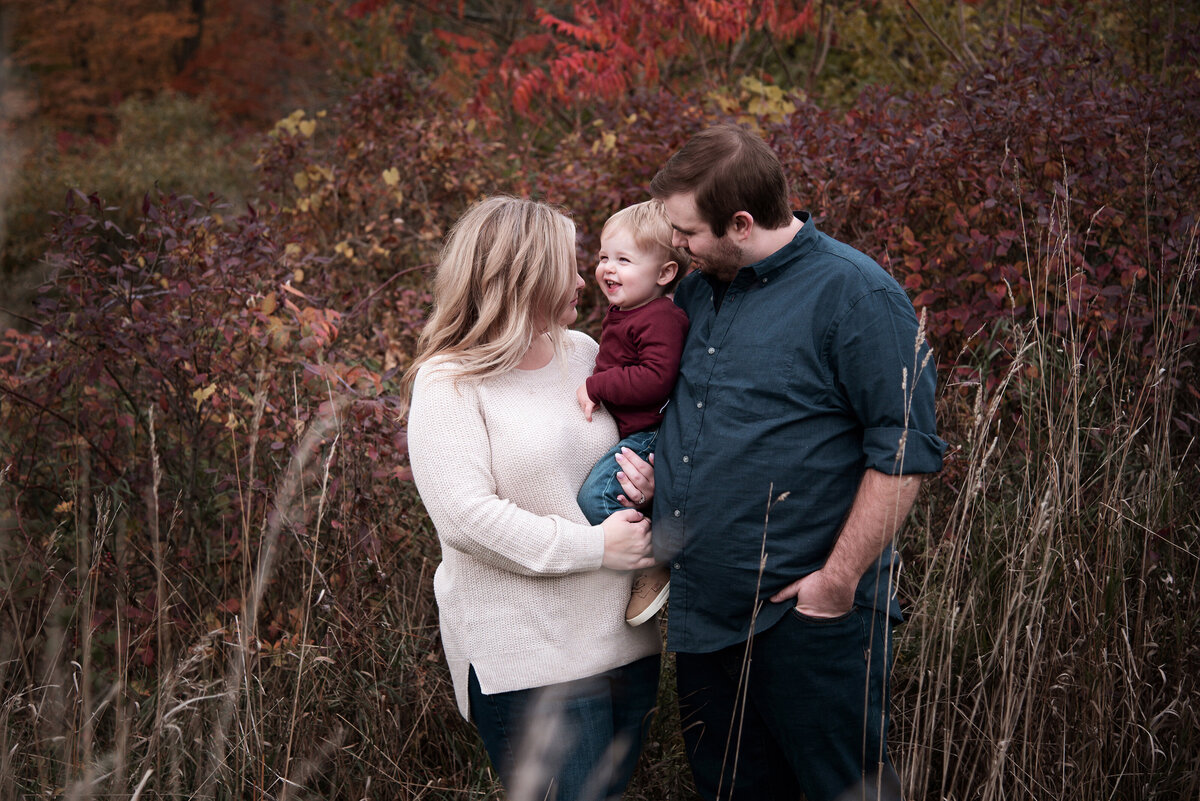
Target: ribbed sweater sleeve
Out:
[453,462]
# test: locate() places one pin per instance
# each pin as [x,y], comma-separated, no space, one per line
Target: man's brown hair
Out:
[730,170]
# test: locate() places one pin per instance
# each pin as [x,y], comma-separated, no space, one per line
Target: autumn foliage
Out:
[206,391]
[521,59]
[83,59]
[1034,189]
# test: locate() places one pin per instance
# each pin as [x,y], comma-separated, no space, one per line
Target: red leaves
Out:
[363,8]
[1019,190]
[203,323]
[603,49]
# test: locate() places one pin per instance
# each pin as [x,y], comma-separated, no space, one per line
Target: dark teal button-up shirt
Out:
[806,372]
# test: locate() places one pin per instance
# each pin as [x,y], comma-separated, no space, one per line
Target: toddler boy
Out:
[641,340]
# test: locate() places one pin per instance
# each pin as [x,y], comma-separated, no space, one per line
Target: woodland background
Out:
[217,226]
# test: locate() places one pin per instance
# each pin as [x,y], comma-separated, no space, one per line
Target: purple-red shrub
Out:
[1042,184]
[194,342]
[376,182]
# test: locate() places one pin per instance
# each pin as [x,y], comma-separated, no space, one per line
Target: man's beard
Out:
[722,263]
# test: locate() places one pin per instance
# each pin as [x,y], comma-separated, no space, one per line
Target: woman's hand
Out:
[636,477]
[627,541]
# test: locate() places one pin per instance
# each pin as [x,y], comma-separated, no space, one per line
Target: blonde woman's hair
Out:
[506,272]
[650,228]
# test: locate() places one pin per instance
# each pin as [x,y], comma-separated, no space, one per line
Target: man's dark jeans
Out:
[815,717]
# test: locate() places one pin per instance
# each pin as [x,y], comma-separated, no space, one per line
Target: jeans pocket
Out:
[821,621]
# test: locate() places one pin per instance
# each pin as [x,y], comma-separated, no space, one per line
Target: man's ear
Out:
[742,224]
[666,273]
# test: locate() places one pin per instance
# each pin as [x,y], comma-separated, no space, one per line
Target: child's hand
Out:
[587,404]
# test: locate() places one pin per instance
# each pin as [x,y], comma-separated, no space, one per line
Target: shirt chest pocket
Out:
[755,382]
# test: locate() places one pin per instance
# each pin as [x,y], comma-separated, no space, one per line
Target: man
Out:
[790,453]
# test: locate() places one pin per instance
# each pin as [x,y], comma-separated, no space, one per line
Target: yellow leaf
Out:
[300,179]
[64,507]
[751,84]
[269,304]
[201,395]
[288,124]
[298,275]
[391,176]
[308,127]
[277,331]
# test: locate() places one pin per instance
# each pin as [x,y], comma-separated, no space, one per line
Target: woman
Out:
[531,598]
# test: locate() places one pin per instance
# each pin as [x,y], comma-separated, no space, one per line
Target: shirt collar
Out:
[803,242]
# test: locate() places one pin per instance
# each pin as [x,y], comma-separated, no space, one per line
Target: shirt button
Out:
[699,404]
[685,460]
[678,513]
[711,351]
[676,566]
[764,280]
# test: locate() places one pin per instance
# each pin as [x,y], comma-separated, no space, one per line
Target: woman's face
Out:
[569,314]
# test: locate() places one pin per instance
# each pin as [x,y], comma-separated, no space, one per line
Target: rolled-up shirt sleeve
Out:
[884,369]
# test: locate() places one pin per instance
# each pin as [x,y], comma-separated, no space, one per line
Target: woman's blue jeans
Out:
[598,495]
[576,741]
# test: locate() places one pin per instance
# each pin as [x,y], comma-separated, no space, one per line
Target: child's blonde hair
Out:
[507,271]
[651,230]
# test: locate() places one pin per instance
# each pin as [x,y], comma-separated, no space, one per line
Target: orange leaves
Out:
[571,54]
[720,21]
[87,54]
[786,21]
[604,49]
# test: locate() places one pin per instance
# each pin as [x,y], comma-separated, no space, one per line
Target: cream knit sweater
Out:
[521,592]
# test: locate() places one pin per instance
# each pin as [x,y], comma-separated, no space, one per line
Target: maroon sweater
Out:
[638,363]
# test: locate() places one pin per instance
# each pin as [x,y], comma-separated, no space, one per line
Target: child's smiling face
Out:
[631,276]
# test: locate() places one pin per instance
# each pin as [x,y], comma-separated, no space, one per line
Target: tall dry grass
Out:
[350,701]
[1050,651]
[1053,588]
